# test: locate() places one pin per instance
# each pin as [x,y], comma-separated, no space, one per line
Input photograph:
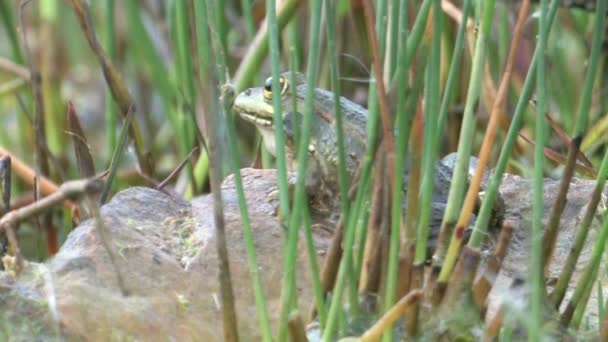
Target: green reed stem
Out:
[454,72]
[536,269]
[416,36]
[404,121]
[279,133]
[258,291]
[393,37]
[459,179]
[430,141]
[10,29]
[302,156]
[314,269]
[481,224]
[156,70]
[381,26]
[187,94]
[349,237]
[343,181]
[202,40]
[254,59]
[581,308]
[582,117]
[588,275]
[109,45]
[581,235]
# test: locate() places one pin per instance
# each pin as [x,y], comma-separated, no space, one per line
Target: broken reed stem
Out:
[375,332]
[550,236]
[297,331]
[483,284]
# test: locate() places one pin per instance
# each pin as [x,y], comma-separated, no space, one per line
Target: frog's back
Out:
[355,116]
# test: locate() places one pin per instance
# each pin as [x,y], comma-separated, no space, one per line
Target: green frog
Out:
[255,106]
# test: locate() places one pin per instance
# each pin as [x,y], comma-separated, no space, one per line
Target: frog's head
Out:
[255,105]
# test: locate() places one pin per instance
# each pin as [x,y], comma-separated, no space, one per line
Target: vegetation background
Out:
[157,67]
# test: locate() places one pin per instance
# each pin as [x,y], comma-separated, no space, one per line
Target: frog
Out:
[254,105]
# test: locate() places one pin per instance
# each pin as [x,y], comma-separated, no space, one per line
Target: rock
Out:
[168,260]
[517,195]
[167,257]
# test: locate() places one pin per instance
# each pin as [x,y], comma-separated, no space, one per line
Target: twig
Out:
[177,170]
[67,190]
[26,173]
[556,157]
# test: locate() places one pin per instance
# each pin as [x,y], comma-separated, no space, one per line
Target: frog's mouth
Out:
[251,107]
[257,120]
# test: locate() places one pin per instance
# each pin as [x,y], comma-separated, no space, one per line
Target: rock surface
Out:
[167,257]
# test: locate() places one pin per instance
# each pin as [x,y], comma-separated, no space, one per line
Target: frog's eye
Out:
[268,87]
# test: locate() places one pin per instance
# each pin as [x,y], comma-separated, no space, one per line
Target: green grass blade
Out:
[302,165]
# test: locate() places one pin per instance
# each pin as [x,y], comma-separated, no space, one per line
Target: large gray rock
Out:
[167,257]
